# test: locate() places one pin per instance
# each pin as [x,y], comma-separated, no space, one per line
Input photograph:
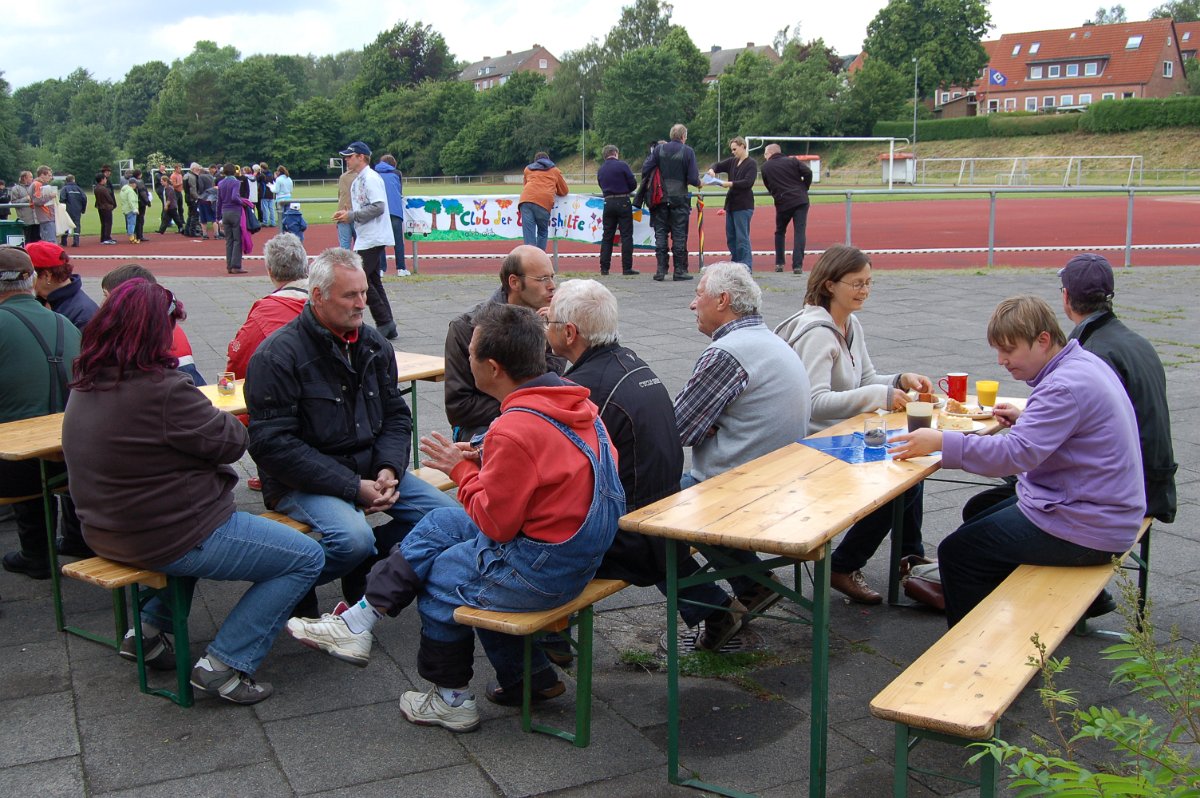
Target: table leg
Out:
[673,663]
[819,721]
[897,550]
[52,551]
[416,437]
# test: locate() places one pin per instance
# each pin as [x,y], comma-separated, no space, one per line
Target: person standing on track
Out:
[788,181]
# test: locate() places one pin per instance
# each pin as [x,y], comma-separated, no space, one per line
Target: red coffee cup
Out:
[954,385]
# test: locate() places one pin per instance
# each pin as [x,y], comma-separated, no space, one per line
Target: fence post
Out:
[414,255]
[849,199]
[991,229]
[554,257]
[1129,232]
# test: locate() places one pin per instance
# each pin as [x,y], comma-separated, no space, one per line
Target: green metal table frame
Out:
[907,738]
[721,567]
[581,642]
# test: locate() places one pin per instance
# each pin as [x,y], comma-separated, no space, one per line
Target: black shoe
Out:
[604,272]
[511,696]
[1103,605]
[797,271]
[388,331]
[628,272]
[73,548]
[238,271]
[659,277]
[679,276]
[778,267]
[18,563]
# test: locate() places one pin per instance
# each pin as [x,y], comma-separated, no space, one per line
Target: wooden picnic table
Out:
[411,367]
[791,504]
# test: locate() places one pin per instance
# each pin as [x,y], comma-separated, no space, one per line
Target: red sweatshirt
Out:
[533,480]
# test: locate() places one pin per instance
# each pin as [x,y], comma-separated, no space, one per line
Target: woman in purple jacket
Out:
[1074,450]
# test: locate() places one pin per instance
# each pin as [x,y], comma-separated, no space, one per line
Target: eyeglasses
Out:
[547,322]
[547,280]
[857,285]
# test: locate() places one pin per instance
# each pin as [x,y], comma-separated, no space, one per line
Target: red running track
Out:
[1079,223]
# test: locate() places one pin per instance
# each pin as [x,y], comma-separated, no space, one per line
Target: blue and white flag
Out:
[996,78]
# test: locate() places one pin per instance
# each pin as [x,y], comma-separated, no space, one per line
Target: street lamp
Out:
[583,134]
[916,69]
[718,150]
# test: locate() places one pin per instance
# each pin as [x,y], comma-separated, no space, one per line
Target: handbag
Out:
[922,581]
[253,225]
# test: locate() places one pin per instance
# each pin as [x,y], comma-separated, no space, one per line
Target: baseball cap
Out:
[356,148]
[1087,276]
[46,254]
[14,263]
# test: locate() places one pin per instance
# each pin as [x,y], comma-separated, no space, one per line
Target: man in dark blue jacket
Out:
[74,199]
[393,181]
[676,163]
[616,182]
[330,431]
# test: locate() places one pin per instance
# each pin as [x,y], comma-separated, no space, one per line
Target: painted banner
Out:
[474,217]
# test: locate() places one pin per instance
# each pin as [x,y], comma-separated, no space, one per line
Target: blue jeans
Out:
[282,564]
[458,565]
[346,536]
[398,234]
[345,234]
[268,207]
[535,224]
[130,224]
[981,553]
[737,234]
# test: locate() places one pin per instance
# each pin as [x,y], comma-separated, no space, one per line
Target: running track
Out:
[1078,223]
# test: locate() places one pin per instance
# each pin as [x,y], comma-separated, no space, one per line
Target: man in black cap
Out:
[37,348]
[372,230]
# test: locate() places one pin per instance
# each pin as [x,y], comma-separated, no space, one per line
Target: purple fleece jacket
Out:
[1075,450]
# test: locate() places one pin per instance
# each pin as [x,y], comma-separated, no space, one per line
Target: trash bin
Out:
[814,163]
[902,166]
[12,233]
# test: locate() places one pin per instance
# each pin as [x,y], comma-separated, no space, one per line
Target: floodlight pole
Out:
[916,69]
[583,134]
[718,150]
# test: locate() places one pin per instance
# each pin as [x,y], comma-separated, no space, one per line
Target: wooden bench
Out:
[957,690]
[143,584]
[531,625]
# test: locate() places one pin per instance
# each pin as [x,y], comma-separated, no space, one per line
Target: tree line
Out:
[401,94]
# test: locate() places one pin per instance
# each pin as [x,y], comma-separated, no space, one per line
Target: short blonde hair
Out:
[1023,318]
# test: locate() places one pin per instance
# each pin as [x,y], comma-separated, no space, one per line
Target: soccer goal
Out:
[754,142]
[1066,171]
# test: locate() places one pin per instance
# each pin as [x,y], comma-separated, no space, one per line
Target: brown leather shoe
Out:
[855,586]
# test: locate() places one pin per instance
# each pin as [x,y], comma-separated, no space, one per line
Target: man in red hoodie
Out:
[541,500]
[287,266]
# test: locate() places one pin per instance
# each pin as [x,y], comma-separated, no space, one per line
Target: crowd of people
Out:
[556,431]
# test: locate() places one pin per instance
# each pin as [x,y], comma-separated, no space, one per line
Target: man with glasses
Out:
[526,279]
[372,230]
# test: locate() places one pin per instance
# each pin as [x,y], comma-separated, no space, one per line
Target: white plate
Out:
[937,405]
[980,416]
[976,426]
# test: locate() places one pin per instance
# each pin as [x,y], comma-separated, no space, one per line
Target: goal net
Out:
[1066,171]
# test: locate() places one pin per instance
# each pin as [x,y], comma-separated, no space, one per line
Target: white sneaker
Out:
[403,273]
[330,634]
[430,709]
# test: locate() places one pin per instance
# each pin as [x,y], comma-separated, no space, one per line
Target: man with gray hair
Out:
[37,348]
[287,266]
[748,395]
[329,429]
[676,163]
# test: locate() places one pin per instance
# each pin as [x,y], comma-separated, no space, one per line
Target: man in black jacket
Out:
[637,411]
[676,163]
[526,278]
[329,429]
[788,180]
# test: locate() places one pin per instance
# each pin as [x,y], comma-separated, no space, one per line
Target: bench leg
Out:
[582,643]
[900,766]
[179,600]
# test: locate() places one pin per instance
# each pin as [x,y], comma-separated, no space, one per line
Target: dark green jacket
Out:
[24,370]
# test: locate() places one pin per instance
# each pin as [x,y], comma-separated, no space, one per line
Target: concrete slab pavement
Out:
[73,723]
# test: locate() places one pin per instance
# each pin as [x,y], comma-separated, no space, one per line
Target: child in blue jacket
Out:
[293,221]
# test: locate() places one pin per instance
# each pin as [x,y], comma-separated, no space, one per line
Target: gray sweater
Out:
[844,380]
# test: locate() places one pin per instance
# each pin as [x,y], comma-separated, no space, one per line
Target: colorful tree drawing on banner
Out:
[433,208]
[454,208]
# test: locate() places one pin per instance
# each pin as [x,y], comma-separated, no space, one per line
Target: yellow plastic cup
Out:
[985,392]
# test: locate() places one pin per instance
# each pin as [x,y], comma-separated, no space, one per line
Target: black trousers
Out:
[671,218]
[618,215]
[139,228]
[798,216]
[373,261]
[170,215]
[105,224]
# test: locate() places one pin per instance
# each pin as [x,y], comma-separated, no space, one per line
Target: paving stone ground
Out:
[72,721]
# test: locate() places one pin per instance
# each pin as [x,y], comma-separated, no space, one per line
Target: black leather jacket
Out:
[323,413]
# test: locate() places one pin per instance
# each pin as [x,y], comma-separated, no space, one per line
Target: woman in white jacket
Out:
[829,340]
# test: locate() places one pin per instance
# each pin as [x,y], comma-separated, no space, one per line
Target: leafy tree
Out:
[254,102]
[799,98]
[416,122]
[330,74]
[1179,10]
[82,149]
[206,56]
[877,91]
[311,134]
[580,73]
[135,95]
[10,144]
[403,55]
[1108,16]
[646,23]
[943,35]
[739,92]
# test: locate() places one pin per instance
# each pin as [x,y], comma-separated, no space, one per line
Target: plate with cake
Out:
[937,401]
[952,423]
[960,409]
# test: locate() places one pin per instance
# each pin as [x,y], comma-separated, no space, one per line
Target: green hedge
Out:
[1119,116]
[976,127]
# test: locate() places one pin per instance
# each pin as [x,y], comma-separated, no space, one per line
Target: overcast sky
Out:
[50,38]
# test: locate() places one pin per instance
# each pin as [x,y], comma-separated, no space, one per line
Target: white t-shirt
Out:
[368,189]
